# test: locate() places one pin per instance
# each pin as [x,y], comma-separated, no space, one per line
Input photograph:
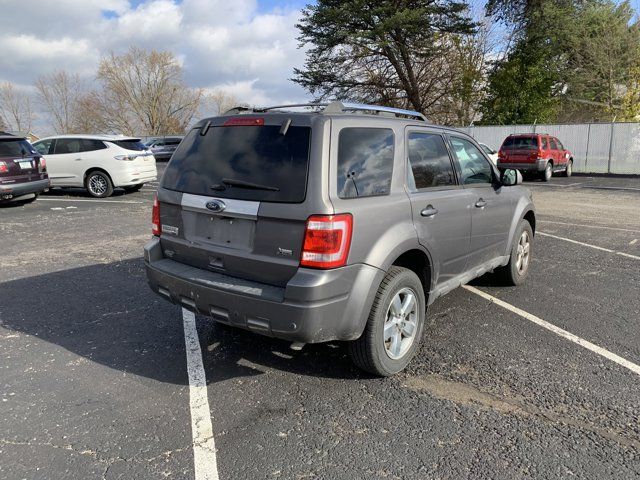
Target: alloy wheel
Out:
[401,323]
[97,185]
[523,253]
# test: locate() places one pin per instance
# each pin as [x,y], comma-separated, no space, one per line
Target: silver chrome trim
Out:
[234,208]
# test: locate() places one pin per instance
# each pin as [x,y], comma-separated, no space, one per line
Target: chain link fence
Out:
[596,147]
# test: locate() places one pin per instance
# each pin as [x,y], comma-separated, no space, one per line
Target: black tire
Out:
[98,184]
[547,173]
[133,188]
[369,351]
[512,274]
[569,171]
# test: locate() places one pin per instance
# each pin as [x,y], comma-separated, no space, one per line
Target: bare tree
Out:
[218,101]
[143,92]
[59,93]
[15,108]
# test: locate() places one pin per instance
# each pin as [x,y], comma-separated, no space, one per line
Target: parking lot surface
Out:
[95,384]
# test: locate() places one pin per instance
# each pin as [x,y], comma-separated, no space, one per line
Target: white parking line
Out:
[558,331]
[590,226]
[49,199]
[204,447]
[623,254]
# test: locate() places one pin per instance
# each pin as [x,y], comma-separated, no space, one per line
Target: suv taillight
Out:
[4,168]
[326,241]
[156,229]
[42,165]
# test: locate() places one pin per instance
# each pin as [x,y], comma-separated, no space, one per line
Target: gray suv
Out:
[341,223]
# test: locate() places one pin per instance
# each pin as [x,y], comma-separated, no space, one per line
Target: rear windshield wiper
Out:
[242,184]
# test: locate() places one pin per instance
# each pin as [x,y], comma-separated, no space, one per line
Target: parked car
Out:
[23,171]
[98,163]
[163,148]
[311,226]
[535,153]
[490,152]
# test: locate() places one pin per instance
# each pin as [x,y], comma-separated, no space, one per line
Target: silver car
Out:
[343,223]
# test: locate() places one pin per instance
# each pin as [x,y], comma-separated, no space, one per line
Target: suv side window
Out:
[474,167]
[429,161]
[553,144]
[88,145]
[545,143]
[67,145]
[559,144]
[365,162]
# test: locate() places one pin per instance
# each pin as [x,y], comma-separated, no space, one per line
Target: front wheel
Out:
[394,328]
[517,270]
[99,184]
[569,171]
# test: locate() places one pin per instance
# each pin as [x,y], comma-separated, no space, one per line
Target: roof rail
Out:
[335,107]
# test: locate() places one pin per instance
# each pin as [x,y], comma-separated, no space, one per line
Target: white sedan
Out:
[98,163]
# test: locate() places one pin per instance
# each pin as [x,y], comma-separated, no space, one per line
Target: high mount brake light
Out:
[244,122]
[156,229]
[327,239]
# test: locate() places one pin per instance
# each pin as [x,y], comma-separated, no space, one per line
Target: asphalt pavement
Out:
[93,366]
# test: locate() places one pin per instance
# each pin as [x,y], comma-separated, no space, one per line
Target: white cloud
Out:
[221,43]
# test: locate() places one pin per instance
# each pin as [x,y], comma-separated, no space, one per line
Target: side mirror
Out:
[510,177]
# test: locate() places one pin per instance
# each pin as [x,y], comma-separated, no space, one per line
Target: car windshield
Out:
[520,143]
[131,144]
[15,148]
[225,160]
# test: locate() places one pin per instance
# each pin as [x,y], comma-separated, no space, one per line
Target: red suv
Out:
[535,153]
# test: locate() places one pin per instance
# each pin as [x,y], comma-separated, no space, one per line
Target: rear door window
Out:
[243,162]
[429,161]
[89,145]
[67,145]
[365,162]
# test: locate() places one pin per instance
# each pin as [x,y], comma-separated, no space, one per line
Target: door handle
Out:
[481,203]
[429,211]
[77,160]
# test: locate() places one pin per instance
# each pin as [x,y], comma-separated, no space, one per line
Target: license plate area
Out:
[26,165]
[230,232]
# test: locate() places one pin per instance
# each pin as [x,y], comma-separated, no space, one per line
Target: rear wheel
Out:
[394,328]
[98,184]
[547,173]
[517,270]
[569,171]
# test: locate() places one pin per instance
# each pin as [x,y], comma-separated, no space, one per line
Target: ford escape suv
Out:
[537,154]
[342,223]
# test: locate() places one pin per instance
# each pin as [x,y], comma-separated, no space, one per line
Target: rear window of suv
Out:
[15,148]
[520,143]
[272,166]
[135,145]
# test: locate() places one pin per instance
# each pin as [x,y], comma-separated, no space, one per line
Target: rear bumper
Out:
[315,306]
[537,166]
[19,189]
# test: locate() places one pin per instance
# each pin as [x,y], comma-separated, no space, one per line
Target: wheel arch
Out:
[418,261]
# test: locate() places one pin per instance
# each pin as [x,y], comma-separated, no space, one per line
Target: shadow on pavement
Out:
[107,314]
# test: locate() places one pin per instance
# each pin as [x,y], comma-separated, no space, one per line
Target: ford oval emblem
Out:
[216,205]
